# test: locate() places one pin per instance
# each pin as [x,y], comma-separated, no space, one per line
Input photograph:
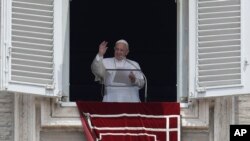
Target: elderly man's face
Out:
[121,51]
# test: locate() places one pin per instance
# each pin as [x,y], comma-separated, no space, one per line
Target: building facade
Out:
[34,70]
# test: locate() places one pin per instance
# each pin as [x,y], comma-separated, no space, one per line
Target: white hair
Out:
[122,41]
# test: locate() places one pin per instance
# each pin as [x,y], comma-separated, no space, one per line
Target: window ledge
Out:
[73,104]
[194,114]
[184,105]
[68,104]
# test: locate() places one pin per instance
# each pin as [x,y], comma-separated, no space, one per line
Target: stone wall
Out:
[6,117]
[242,115]
[222,112]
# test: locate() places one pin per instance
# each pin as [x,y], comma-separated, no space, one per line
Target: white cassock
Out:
[115,91]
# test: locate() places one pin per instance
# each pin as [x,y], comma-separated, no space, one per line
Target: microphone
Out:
[145,78]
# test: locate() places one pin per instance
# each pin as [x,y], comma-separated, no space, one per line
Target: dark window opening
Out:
[148,26]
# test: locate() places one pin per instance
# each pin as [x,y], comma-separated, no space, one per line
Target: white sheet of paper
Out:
[122,77]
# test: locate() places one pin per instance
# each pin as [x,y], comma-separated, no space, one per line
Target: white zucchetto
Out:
[123,41]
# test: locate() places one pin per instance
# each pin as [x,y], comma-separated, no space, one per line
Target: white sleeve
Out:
[139,81]
[98,68]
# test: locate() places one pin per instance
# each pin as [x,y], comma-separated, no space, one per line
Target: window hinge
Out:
[9,52]
[191,95]
[50,87]
[201,90]
[60,94]
[246,63]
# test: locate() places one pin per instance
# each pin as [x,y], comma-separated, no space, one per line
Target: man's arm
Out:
[140,82]
[97,66]
[137,77]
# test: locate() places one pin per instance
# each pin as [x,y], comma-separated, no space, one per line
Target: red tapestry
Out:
[158,121]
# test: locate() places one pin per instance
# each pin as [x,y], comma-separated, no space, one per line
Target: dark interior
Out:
[148,26]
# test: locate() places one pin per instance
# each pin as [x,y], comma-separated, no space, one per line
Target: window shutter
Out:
[1,46]
[32,61]
[32,42]
[216,46]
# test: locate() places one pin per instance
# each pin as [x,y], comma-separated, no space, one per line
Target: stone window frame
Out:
[195,114]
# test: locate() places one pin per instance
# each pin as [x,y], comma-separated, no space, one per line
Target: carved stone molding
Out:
[53,116]
[24,118]
[196,115]
[224,112]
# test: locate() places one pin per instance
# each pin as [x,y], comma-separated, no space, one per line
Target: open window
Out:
[148,26]
[32,49]
[219,48]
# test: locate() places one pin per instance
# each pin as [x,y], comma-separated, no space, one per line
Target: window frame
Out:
[219,91]
[195,113]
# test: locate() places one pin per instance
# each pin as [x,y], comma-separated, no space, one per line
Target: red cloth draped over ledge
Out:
[130,121]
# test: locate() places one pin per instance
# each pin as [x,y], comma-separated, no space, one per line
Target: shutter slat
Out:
[32,39]
[219,54]
[221,83]
[218,20]
[40,2]
[219,77]
[48,29]
[217,41]
[32,74]
[218,3]
[32,51]
[219,9]
[215,7]
[218,49]
[22,39]
[218,31]
[218,60]
[218,37]
[220,43]
[218,14]
[32,16]
[30,10]
[36,23]
[31,80]
[32,28]
[32,57]
[205,1]
[219,26]
[34,63]
[32,34]
[31,68]
[33,5]
[219,65]
[31,45]
[219,71]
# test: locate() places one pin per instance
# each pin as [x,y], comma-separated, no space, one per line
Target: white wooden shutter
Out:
[32,42]
[218,52]
[1,45]
[34,55]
